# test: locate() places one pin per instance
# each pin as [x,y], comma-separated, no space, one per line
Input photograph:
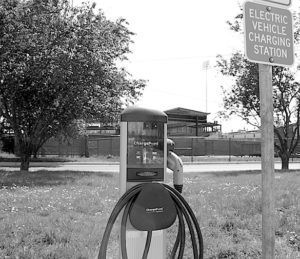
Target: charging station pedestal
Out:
[143,158]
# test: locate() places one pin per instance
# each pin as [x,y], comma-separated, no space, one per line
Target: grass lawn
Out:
[53,215]
[5,157]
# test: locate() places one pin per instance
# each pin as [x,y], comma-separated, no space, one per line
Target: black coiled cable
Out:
[184,214]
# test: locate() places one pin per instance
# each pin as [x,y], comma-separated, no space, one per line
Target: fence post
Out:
[111,146]
[229,149]
[192,151]
[59,148]
[86,146]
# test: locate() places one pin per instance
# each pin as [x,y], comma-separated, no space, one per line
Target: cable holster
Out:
[182,210]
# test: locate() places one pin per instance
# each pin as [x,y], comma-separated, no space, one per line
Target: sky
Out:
[173,38]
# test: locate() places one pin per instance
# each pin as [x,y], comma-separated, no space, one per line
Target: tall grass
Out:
[63,214]
[229,209]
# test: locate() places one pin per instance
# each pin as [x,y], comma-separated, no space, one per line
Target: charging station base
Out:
[135,243]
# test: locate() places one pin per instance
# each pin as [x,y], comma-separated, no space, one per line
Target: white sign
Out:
[269,37]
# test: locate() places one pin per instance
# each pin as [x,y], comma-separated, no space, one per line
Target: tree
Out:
[59,65]
[242,99]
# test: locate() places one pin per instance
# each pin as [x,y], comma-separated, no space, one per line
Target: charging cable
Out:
[184,214]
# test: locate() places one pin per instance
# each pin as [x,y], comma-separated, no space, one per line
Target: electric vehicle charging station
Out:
[143,153]
[150,204]
[143,147]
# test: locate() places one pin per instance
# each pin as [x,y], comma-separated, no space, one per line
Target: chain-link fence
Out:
[184,146]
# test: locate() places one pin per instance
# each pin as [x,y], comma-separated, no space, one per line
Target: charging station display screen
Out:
[145,144]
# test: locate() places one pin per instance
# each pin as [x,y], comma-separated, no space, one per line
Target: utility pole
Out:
[205,66]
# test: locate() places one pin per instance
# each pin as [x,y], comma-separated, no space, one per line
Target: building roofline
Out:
[196,113]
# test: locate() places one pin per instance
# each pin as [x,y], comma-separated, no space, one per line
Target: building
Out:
[242,134]
[181,122]
[103,130]
[186,122]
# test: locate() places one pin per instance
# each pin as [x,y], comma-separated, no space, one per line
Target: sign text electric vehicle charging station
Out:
[149,206]
[269,37]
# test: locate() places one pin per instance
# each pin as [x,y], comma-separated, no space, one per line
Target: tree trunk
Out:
[16,146]
[25,159]
[285,162]
[25,154]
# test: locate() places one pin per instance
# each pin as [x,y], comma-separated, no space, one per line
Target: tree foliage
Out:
[58,65]
[242,98]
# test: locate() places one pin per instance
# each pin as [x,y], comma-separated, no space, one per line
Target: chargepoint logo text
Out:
[155,210]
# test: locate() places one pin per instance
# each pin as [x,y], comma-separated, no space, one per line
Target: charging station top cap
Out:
[142,114]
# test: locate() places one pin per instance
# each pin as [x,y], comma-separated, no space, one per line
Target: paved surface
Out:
[114,167]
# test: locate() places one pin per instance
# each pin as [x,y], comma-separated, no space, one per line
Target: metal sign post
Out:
[267,160]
